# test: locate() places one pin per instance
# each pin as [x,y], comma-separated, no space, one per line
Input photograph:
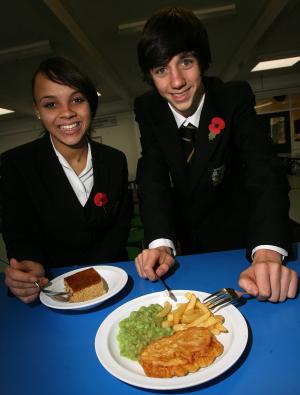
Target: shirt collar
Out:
[194,119]
[65,163]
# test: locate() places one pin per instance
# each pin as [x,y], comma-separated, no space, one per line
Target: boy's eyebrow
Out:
[186,54]
[158,66]
[181,55]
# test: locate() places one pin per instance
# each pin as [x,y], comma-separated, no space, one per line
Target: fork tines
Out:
[219,298]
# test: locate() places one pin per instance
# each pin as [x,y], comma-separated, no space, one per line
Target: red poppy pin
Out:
[215,127]
[100,199]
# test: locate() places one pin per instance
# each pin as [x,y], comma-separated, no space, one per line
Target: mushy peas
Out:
[140,329]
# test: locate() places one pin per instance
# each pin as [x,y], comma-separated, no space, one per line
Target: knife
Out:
[170,292]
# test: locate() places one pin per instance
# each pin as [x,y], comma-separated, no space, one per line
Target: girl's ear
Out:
[36,111]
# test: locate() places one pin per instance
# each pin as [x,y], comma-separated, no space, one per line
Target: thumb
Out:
[165,262]
[247,282]
[15,264]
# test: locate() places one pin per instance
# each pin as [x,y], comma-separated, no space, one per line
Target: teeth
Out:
[179,94]
[68,127]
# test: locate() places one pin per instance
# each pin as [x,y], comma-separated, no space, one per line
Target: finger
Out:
[19,284]
[17,265]
[262,277]
[25,293]
[162,269]
[142,261]
[28,299]
[247,281]
[19,276]
[293,287]
[144,258]
[138,264]
[150,259]
[165,263]
[42,281]
[284,283]
[30,267]
[276,276]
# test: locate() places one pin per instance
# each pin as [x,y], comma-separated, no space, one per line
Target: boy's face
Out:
[180,83]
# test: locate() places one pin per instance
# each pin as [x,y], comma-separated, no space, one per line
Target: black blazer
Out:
[43,219]
[234,195]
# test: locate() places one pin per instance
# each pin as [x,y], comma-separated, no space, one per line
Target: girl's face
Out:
[64,112]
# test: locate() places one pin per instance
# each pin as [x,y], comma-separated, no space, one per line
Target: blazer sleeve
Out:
[153,179]
[264,177]
[21,230]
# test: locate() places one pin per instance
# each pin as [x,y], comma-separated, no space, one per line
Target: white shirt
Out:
[194,119]
[82,184]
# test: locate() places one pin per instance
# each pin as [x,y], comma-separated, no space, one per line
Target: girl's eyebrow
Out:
[54,97]
[51,97]
[47,97]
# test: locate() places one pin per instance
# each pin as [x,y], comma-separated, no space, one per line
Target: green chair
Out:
[133,252]
[2,267]
[136,237]
[136,209]
[136,222]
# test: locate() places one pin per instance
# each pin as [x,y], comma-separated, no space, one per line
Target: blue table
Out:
[45,351]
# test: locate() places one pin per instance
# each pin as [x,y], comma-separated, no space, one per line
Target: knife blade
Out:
[170,292]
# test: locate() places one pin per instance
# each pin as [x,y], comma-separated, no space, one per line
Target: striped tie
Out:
[188,140]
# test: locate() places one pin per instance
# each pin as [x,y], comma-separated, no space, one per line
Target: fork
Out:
[51,292]
[223,297]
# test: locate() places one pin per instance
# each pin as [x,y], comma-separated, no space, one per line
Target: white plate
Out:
[115,278]
[107,348]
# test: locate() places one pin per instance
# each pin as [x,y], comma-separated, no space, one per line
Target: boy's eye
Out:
[160,70]
[187,61]
[78,99]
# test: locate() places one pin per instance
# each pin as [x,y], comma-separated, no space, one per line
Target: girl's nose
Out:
[67,111]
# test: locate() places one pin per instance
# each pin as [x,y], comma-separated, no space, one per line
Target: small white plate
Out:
[115,278]
[107,348]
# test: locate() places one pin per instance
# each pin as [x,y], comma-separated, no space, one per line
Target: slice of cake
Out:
[84,285]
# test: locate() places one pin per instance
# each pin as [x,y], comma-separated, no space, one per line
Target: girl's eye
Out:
[49,105]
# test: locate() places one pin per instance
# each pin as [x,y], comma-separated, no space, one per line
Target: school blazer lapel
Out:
[168,135]
[100,171]
[204,147]
[57,188]
[102,162]
[60,192]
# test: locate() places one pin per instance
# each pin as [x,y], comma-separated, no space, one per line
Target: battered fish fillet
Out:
[184,352]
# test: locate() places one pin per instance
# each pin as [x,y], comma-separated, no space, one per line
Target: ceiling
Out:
[88,33]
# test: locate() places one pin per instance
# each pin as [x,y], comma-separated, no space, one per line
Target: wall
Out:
[281,103]
[123,136]
[17,131]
